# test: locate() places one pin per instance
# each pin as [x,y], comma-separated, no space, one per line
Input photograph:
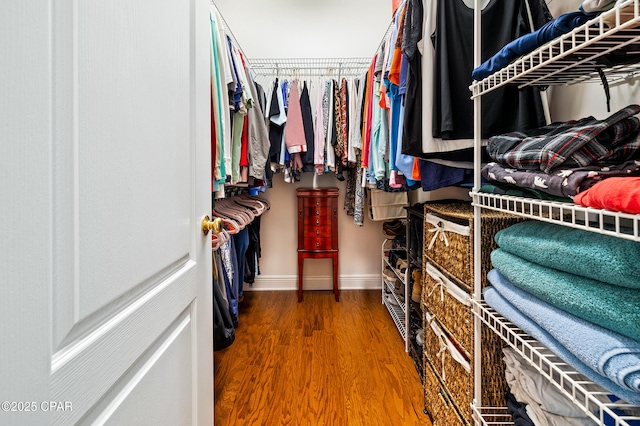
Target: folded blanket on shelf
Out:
[571,144]
[546,405]
[504,308]
[504,189]
[564,183]
[610,354]
[620,194]
[615,308]
[584,253]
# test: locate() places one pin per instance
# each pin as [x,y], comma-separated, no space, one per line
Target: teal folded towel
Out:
[600,257]
[610,306]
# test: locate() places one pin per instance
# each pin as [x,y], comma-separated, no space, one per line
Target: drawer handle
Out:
[317,212]
[317,244]
[317,221]
[318,203]
[317,232]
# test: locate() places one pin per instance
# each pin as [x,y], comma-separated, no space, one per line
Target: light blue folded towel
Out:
[613,355]
[503,307]
[610,306]
[600,257]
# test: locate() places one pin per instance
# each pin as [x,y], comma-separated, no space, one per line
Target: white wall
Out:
[307,28]
[360,247]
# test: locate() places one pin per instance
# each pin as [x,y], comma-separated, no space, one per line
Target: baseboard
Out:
[290,282]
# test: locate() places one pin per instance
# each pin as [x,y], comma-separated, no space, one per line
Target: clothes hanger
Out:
[232,222]
[235,211]
[257,207]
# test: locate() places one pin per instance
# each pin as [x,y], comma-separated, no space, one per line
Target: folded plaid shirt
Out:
[571,144]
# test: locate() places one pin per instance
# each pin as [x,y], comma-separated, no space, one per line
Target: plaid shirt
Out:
[570,144]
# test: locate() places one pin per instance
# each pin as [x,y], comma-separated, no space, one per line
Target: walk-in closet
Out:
[337,212]
[493,148]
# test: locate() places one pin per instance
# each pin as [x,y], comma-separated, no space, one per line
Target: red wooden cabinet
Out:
[317,230]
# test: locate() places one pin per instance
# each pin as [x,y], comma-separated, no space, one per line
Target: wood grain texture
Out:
[318,362]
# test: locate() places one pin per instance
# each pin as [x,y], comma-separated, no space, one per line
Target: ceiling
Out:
[307,28]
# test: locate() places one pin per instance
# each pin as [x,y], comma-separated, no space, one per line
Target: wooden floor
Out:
[318,362]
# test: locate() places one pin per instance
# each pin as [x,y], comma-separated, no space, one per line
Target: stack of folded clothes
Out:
[533,400]
[578,294]
[393,228]
[563,159]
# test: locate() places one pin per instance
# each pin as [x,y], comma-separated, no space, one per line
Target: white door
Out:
[105,276]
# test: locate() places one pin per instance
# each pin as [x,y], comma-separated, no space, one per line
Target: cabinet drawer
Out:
[317,231]
[313,218]
[312,213]
[317,243]
[319,202]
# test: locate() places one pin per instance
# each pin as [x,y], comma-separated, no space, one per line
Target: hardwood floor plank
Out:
[318,362]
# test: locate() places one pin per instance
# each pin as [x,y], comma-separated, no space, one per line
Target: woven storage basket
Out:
[442,409]
[448,302]
[448,238]
[458,380]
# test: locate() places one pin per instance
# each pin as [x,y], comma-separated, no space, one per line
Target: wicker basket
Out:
[457,379]
[437,401]
[448,238]
[448,302]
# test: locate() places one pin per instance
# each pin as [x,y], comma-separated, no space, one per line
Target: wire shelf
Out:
[583,393]
[491,416]
[576,57]
[617,224]
[336,67]
[397,314]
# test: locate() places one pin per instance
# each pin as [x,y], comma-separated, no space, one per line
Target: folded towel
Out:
[614,356]
[503,307]
[588,254]
[615,308]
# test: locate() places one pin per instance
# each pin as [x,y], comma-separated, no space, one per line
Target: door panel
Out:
[114,313]
[160,374]
[104,355]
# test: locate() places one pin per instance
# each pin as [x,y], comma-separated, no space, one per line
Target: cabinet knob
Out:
[317,221]
[317,232]
[317,244]
[318,203]
[317,212]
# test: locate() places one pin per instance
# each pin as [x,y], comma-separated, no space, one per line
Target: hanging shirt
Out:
[278,119]
[294,135]
[307,121]
[319,135]
[434,147]
[504,109]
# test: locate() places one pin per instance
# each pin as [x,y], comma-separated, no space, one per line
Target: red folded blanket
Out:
[620,194]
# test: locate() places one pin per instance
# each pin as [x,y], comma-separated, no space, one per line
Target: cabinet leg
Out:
[300,266]
[335,277]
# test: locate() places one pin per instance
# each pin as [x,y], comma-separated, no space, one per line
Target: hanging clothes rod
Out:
[310,66]
[227,29]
